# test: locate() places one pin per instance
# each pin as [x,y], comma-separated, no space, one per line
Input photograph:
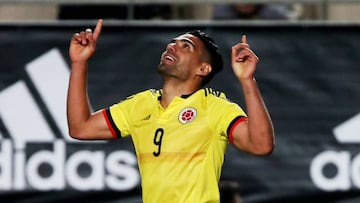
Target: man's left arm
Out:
[256,135]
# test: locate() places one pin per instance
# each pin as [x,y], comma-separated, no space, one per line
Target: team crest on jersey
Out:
[187,115]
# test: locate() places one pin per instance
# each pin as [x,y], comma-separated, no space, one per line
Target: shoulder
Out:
[217,100]
[214,94]
[139,97]
[146,94]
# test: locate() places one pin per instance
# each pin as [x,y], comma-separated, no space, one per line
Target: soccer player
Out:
[180,132]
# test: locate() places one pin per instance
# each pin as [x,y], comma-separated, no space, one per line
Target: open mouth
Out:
[169,58]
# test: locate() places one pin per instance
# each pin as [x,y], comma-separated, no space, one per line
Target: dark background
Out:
[308,74]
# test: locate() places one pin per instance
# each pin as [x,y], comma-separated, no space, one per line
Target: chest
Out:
[181,128]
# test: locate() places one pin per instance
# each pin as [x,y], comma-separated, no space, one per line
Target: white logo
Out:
[349,131]
[345,170]
[187,115]
[27,125]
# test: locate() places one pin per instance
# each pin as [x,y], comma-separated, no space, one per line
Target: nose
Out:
[171,47]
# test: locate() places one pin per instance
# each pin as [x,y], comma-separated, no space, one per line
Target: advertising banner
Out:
[309,77]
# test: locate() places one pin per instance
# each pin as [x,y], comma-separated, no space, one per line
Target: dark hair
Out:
[216,59]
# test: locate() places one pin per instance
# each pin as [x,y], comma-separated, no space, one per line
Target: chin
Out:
[165,69]
[161,68]
[164,66]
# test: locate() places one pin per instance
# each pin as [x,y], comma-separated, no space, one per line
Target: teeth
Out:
[169,58]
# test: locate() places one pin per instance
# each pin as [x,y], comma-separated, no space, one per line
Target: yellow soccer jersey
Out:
[180,149]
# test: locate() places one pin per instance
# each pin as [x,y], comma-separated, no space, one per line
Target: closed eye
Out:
[186,45]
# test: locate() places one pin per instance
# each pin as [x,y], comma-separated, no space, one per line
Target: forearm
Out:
[261,132]
[78,107]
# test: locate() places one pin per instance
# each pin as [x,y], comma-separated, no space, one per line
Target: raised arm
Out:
[82,123]
[255,136]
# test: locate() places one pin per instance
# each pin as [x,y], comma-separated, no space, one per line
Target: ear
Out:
[204,69]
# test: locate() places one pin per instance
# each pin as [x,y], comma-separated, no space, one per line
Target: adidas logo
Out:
[36,151]
[349,131]
[333,170]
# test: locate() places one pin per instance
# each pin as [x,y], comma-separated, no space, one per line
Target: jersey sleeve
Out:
[225,115]
[118,118]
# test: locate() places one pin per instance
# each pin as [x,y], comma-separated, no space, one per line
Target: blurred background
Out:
[292,10]
[308,74]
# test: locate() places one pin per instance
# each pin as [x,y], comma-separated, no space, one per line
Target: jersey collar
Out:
[184,96]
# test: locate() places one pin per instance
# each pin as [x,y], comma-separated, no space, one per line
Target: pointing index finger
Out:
[243,39]
[97,30]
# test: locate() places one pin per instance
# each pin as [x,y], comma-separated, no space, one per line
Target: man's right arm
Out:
[81,122]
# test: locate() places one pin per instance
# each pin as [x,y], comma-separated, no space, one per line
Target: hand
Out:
[243,60]
[83,44]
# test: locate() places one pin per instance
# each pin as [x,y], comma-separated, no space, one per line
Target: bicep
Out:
[246,141]
[96,128]
[240,137]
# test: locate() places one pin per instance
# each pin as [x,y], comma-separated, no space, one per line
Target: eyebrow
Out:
[184,40]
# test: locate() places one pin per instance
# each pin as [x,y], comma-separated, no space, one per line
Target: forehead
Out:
[195,40]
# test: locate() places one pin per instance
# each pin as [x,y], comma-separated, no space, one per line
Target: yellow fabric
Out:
[178,161]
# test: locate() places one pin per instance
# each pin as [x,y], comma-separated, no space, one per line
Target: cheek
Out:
[163,53]
[191,60]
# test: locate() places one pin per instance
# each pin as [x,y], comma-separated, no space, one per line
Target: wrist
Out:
[79,66]
[245,81]
[248,86]
[79,63]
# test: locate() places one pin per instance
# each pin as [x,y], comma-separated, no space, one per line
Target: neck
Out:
[171,90]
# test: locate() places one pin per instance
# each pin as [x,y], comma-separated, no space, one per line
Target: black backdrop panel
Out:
[309,76]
